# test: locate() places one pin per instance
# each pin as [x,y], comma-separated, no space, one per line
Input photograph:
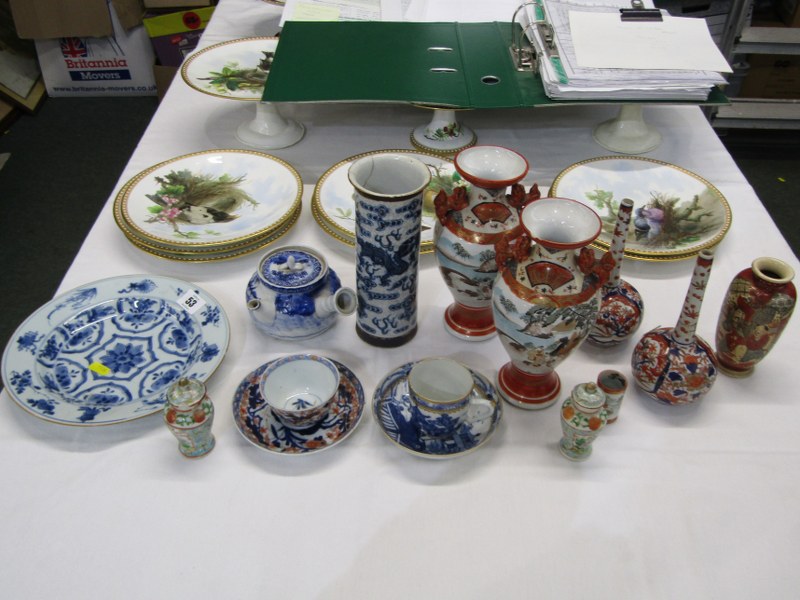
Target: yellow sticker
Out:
[99,368]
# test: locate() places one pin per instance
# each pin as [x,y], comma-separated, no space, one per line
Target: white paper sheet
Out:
[603,40]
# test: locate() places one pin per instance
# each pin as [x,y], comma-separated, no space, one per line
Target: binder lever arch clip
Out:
[522,52]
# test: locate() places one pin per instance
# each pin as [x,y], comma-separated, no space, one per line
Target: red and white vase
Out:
[757,306]
[470,221]
[674,365]
[621,305]
[546,296]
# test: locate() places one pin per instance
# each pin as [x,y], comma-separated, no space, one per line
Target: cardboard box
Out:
[177,3]
[176,34]
[772,76]
[44,19]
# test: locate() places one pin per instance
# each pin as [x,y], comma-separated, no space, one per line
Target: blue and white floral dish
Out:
[396,416]
[107,351]
[259,426]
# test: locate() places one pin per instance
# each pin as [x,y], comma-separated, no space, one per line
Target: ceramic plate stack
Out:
[209,206]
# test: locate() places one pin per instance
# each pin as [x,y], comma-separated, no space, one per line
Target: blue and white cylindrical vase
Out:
[388,221]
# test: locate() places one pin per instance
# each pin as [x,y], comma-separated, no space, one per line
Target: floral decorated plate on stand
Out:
[107,351]
[211,201]
[236,69]
[256,422]
[333,206]
[676,212]
[394,413]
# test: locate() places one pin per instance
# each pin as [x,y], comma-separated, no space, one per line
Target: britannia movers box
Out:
[89,47]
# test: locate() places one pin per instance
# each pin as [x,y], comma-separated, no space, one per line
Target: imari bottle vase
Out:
[546,296]
[674,365]
[470,221]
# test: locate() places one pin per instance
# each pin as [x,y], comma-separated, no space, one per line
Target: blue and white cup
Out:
[440,390]
[299,389]
[388,199]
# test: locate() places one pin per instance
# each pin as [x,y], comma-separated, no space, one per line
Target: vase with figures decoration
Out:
[546,297]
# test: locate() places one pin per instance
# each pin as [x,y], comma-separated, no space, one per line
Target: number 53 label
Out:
[192,301]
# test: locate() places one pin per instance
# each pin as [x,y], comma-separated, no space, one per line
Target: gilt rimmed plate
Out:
[677,213]
[107,351]
[235,69]
[333,206]
[394,412]
[259,426]
[213,200]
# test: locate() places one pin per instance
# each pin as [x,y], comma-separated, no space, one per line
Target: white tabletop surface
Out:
[687,502]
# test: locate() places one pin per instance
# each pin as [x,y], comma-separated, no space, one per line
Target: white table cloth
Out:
[686,502]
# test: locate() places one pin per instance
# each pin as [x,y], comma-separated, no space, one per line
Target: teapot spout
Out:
[261,312]
[344,302]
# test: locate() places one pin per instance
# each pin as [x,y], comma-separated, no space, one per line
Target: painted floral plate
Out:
[676,212]
[107,351]
[393,410]
[333,206]
[256,422]
[214,200]
[235,69]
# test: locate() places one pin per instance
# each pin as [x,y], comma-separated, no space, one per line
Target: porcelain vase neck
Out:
[617,248]
[684,331]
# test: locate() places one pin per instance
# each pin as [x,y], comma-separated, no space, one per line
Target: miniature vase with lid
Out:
[757,306]
[470,221]
[673,364]
[583,415]
[546,297]
[189,415]
[621,305]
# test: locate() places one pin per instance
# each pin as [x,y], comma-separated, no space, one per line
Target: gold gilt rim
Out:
[124,193]
[188,62]
[198,257]
[449,154]
[337,231]
[664,256]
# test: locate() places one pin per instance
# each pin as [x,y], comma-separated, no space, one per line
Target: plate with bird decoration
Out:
[333,205]
[236,69]
[216,200]
[677,213]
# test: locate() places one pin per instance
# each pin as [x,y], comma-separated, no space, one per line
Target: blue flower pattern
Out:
[123,357]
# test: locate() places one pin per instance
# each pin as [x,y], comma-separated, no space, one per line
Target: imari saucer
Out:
[258,424]
[392,408]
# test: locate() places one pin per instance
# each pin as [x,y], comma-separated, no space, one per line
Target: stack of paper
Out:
[598,56]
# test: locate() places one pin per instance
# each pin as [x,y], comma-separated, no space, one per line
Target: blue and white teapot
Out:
[294,295]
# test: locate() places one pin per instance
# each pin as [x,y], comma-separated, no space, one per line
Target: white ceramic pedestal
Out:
[444,134]
[269,129]
[627,133]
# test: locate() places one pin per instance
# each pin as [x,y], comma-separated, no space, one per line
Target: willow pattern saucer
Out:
[235,69]
[215,200]
[259,426]
[676,212]
[333,206]
[107,351]
[392,408]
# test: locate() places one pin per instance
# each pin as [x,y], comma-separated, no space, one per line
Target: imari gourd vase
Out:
[470,221]
[757,306]
[621,305]
[674,365]
[546,296]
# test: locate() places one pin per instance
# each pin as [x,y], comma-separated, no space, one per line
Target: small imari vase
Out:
[388,195]
[469,224]
[621,305]
[583,415]
[757,306]
[674,365]
[613,383]
[189,415]
[546,296]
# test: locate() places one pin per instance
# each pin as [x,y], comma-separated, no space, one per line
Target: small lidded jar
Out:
[189,415]
[583,415]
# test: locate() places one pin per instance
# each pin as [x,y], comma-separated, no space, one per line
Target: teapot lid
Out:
[292,267]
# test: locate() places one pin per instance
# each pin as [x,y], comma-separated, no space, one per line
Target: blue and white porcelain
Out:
[389,190]
[300,388]
[397,418]
[440,390]
[258,424]
[294,295]
[108,351]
